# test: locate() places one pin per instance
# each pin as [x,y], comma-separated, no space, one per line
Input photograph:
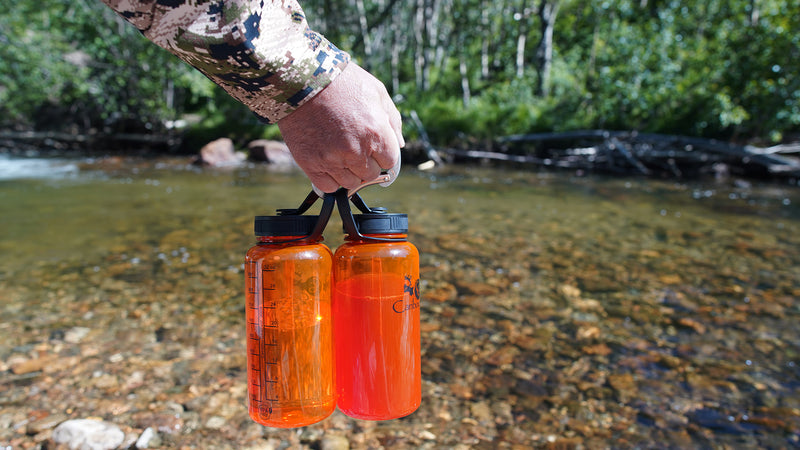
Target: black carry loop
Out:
[373,220]
[380,221]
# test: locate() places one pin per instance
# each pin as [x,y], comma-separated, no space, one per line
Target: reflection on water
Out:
[556,310]
[15,168]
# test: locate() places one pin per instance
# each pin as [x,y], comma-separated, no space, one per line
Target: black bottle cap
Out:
[382,223]
[285,225]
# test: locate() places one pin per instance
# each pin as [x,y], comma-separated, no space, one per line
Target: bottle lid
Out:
[285,225]
[382,223]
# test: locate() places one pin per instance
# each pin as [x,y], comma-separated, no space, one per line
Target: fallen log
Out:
[651,153]
[89,141]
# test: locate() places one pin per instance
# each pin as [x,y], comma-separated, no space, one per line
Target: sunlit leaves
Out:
[718,68]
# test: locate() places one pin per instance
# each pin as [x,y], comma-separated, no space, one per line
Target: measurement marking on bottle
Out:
[262,309]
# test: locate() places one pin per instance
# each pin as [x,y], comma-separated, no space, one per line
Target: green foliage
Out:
[715,68]
[78,59]
[704,68]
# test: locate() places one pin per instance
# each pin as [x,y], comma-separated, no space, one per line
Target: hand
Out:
[346,133]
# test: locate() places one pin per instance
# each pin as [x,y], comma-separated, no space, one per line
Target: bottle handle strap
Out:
[325,213]
[309,200]
[343,198]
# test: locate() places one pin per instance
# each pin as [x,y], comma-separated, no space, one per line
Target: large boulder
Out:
[273,152]
[220,153]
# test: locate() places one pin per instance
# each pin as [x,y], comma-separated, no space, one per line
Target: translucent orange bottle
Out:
[376,317]
[288,294]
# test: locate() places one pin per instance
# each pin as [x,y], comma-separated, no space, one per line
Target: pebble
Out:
[45,423]
[503,356]
[215,422]
[334,442]
[270,444]
[148,439]
[481,411]
[88,434]
[427,435]
[76,334]
[30,365]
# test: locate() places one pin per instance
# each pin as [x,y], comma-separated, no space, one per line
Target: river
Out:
[557,311]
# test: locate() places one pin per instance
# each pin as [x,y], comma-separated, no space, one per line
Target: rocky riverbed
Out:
[557,312]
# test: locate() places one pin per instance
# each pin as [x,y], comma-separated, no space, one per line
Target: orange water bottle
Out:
[288,295]
[376,315]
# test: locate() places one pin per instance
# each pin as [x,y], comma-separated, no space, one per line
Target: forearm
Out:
[261,52]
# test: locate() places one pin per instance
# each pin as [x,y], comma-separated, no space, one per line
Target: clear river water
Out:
[557,311]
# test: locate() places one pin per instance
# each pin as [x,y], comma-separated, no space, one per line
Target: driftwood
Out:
[639,153]
[431,152]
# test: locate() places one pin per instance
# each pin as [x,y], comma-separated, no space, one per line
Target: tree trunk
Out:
[485,41]
[465,92]
[754,13]
[169,95]
[431,39]
[419,47]
[544,54]
[364,28]
[522,38]
[435,51]
[395,58]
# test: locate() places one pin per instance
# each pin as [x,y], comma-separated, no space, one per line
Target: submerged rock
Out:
[273,152]
[88,434]
[220,153]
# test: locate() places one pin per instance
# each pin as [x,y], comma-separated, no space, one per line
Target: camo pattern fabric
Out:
[262,52]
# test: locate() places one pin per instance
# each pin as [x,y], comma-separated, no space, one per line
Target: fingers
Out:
[369,172]
[395,120]
[323,182]
[334,178]
[391,140]
[387,151]
[345,177]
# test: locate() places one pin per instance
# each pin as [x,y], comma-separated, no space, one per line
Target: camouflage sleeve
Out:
[261,52]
